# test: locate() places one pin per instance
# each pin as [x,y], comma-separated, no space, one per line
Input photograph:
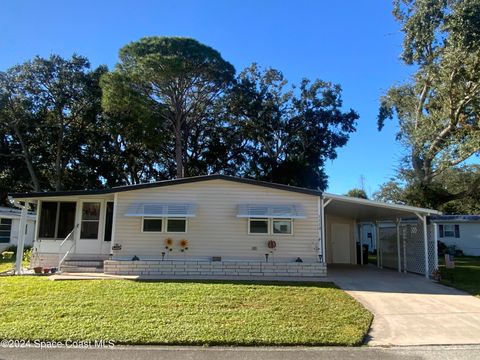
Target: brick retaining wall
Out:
[200,269]
[48,260]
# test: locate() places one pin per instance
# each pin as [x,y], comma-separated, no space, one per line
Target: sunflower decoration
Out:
[183,245]
[168,244]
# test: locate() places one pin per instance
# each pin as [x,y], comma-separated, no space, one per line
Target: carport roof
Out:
[369,210]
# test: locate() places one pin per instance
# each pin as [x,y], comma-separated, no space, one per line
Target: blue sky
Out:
[354,43]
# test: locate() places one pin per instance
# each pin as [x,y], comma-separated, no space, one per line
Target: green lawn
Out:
[6,265]
[465,276]
[202,313]
[9,264]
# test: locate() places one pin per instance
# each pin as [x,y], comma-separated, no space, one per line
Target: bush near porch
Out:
[188,313]
[465,276]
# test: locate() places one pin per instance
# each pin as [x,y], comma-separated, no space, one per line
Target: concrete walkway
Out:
[409,309]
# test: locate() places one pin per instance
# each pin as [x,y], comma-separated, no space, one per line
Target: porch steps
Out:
[82,266]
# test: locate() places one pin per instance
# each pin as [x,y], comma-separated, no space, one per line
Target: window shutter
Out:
[440,230]
[457,231]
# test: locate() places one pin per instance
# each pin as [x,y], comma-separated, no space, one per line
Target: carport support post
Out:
[399,253]
[359,234]
[379,252]
[21,238]
[435,244]
[404,254]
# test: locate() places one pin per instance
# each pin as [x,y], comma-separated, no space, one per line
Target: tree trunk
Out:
[28,160]
[178,127]
[179,151]
[58,160]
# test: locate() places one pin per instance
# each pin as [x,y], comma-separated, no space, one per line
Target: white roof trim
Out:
[161,210]
[277,211]
[12,213]
[406,208]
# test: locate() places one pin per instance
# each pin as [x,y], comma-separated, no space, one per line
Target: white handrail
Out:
[65,255]
[66,238]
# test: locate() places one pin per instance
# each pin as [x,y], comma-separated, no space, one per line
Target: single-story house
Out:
[9,225]
[461,231]
[206,226]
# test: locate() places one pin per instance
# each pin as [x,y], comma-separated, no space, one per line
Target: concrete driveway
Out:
[409,309]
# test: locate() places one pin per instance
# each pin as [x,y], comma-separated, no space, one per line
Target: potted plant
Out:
[38,269]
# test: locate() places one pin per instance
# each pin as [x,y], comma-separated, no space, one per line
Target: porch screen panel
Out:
[48,219]
[66,219]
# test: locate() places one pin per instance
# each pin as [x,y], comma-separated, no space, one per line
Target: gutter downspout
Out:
[324,232]
[321,237]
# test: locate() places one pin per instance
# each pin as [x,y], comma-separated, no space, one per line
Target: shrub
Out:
[442,248]
[27,254]
[7,255]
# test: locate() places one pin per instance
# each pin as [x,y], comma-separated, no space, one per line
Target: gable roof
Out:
[163,183]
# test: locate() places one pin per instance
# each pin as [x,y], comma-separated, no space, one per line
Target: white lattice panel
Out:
[411,239]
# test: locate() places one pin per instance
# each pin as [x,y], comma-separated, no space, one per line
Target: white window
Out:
[176,225]
[283,226]
[449,230]
[268,226]
[5,230]
[258,226]
[169,225]
[152,225]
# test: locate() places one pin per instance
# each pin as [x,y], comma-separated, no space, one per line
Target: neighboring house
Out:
[367,235]
[462,231]
[9,225]
[205,226]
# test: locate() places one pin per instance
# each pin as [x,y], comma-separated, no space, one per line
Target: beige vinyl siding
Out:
[216,230]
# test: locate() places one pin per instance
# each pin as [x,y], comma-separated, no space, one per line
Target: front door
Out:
[341,243]
[89,234]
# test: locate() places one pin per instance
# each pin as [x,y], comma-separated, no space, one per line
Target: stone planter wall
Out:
[48,260]
[206,269]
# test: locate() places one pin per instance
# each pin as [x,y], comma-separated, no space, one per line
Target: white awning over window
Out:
[282,211]
[161,210]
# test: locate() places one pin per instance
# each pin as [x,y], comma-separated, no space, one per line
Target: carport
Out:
[405,239]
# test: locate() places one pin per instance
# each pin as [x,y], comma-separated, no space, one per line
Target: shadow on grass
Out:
[241,282]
